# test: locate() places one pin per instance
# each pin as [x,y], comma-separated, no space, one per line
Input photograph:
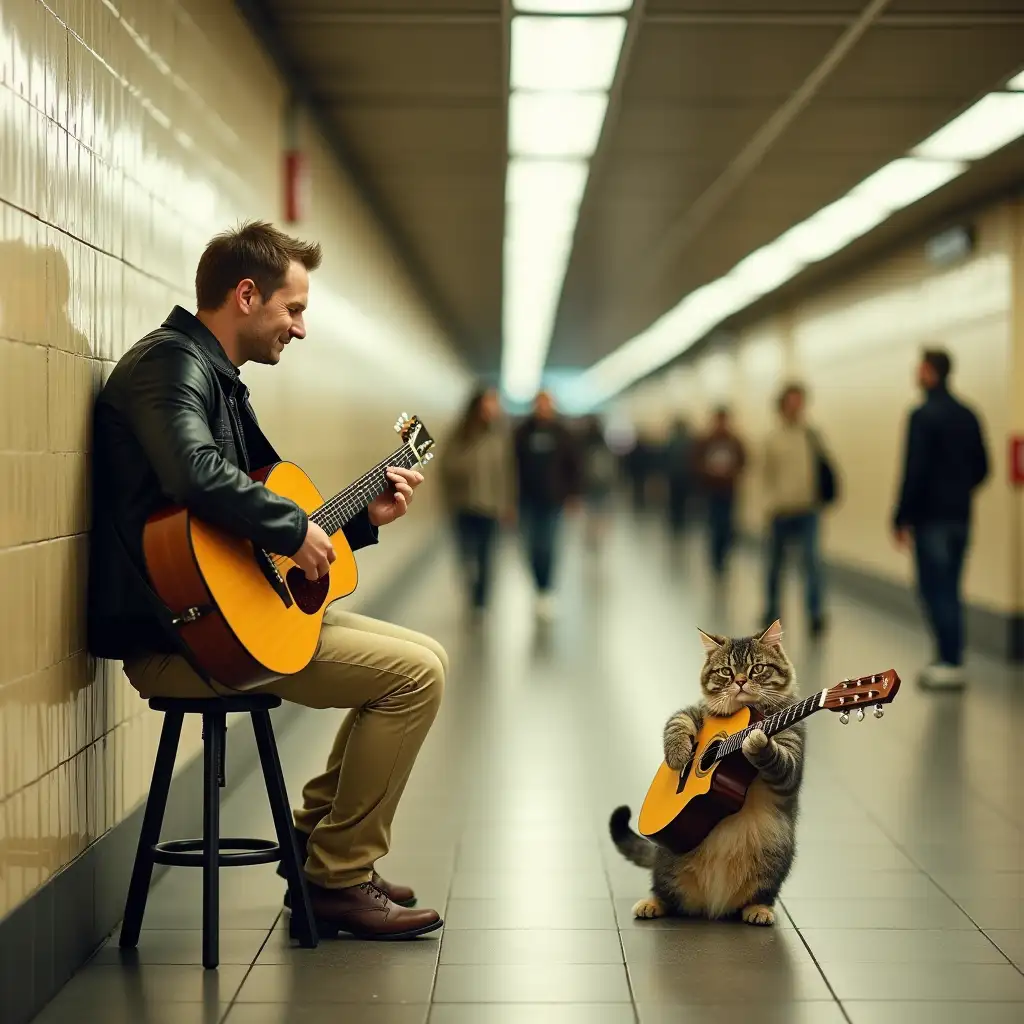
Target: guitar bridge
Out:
[189,615]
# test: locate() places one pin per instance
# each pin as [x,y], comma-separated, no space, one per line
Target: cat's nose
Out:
[741,681]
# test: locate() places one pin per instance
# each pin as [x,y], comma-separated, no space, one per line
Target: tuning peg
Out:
[878,711]
[860,714]
[429,457]
[405,416]
[844,718]
[398,428]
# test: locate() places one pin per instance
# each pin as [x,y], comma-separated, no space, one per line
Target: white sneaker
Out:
[545,607]
[943,677]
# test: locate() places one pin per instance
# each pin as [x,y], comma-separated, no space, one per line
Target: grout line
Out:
[824,976]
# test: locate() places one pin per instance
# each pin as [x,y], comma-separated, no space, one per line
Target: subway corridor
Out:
[906,902]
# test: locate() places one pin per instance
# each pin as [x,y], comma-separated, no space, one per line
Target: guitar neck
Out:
[774,723]
[332,515]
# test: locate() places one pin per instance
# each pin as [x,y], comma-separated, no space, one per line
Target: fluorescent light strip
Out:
[991,123]
[572,6]
[561,70]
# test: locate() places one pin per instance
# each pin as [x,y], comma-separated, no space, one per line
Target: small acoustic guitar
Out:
[681,808]
[248,615]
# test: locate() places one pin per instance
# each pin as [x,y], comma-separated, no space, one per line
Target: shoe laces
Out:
[375,891]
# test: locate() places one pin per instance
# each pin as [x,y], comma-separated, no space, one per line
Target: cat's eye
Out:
[727,672]
[756,670]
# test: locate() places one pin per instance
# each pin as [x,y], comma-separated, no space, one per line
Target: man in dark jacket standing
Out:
[548,465]
[174,426]
[945,461]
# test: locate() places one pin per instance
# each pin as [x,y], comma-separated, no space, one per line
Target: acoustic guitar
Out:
[245,614]
[681,808]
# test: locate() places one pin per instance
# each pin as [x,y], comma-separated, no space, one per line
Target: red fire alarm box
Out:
[296,184]
[1017,460]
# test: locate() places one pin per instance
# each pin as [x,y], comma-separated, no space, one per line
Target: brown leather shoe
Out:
[365,912]
[400,894]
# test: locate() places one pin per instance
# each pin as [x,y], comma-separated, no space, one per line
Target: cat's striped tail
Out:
[633,847]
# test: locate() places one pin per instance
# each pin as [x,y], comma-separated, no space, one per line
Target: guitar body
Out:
[680,810]
[252,624]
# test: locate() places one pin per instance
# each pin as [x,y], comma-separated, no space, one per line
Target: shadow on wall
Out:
[45,673]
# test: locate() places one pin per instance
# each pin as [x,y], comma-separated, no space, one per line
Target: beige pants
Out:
[392,679]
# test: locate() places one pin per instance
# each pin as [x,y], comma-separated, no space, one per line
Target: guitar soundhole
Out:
[309,594]
[707,759]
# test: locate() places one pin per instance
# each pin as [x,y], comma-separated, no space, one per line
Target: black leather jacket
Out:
[173,425]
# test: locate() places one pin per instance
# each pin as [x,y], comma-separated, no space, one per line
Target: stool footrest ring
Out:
[189,852]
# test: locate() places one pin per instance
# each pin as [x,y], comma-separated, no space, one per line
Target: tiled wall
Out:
[856,347]
[130,132]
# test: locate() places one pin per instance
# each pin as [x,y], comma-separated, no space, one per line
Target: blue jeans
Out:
[801,529]
[539,524]
[939,549]
[476,535]
[720,529]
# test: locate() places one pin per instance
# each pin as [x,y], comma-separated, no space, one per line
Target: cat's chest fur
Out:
[724,872]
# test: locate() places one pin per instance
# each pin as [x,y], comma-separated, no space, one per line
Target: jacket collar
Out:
[182,320]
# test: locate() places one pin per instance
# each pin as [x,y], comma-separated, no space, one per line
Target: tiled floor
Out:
[906,903]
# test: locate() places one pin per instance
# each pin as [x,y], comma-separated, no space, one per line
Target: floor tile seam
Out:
[249,969]
[622,948]
[942,889]
[814,960]
[444,931]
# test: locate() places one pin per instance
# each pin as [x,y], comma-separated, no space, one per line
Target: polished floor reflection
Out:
[906,902]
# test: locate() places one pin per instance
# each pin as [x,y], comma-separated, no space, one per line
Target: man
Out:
[793,452]
[173,424]
[679,466]
[548,467]
[719,459]
[945,461]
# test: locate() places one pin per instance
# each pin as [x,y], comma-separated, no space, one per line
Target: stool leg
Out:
[213,749]
[303,922]
[152,820]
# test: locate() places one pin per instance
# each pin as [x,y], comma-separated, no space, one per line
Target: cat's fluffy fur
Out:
[741,865]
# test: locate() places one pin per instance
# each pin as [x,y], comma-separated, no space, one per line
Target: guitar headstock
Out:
[859,693]
[416,436]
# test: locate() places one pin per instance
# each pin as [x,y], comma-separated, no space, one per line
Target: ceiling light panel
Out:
[993,122]
[565,54]
[1016,83]
[572,6]
[555,124]
[906,180]
[546,182]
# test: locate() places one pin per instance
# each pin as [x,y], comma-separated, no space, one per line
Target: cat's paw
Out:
[648,908]
[758,914]
[678,753]
[755,744]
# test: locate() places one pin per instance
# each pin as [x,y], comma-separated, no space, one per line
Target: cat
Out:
[741,865]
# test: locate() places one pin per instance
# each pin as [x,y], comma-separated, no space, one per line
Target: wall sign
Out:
[1017,460]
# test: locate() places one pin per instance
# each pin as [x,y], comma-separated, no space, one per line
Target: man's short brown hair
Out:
[255,250]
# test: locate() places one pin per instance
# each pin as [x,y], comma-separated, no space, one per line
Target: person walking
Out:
[548,477]
[945,461]
[679,472]
[479,476]
[799,482]
[600,469]
[719,458]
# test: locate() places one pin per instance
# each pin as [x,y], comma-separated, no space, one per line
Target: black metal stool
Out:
[212,851]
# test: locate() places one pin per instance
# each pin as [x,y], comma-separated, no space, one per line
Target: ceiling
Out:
[692,172]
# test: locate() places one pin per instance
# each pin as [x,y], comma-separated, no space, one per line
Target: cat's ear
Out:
[710,642]
[772,635]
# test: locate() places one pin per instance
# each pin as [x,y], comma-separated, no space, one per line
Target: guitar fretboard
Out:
[772,724]
[346,504]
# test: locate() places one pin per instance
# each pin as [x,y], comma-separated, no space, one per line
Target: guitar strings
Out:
[345,501]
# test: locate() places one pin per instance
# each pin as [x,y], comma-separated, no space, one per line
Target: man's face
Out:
[792,405]
[272,322]
[925,375]
[544,408]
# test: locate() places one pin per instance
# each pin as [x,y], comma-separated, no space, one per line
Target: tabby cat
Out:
[740,867]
